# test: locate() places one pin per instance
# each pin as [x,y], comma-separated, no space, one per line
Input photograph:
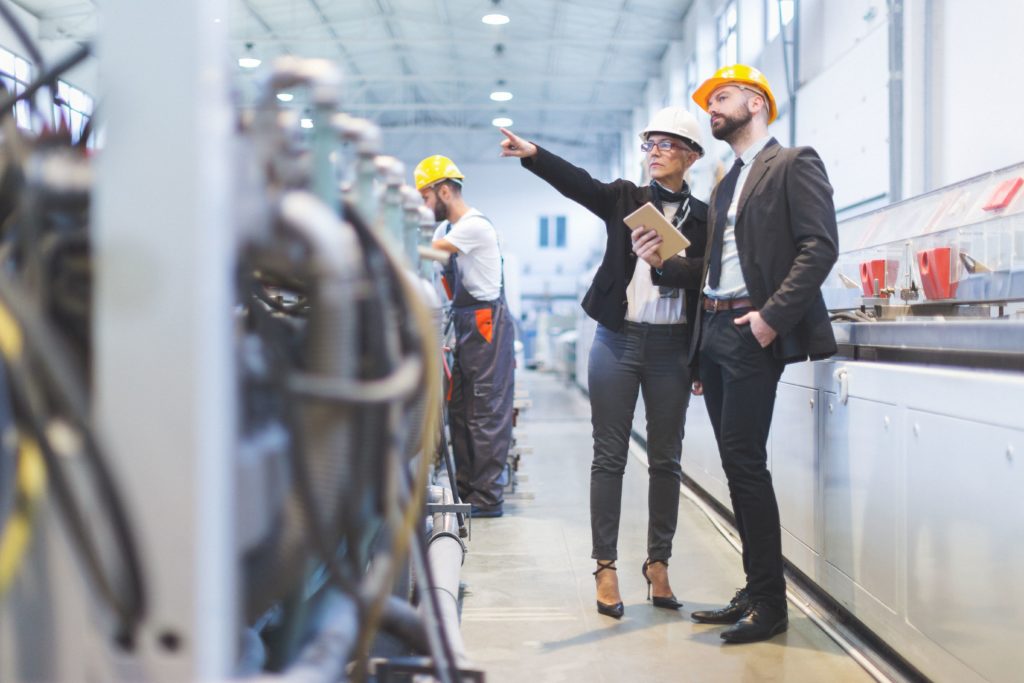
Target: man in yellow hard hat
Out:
[772,240]
[482,385]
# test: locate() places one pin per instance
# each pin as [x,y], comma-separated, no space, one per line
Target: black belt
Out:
[715,305]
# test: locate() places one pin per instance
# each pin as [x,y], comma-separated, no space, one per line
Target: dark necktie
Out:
[723,198]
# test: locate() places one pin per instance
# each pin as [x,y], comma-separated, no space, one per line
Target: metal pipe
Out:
[321,76]
[275,128]
[428,225]
[324,658]
[445,553]
[366,137]
[895,100]
[333,342]
[402,620]
[931,114]
[327,428]
[411,204]
[391,171]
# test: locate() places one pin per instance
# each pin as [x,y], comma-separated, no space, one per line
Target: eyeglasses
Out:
[663,145]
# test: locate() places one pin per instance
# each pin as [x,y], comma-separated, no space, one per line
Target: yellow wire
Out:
[30,478]
[10,335]
[14,541]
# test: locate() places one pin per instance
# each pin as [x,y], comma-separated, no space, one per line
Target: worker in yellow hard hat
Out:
[481,390]
[772,241]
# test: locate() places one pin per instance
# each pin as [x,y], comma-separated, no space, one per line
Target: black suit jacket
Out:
[605,301]
[788,242]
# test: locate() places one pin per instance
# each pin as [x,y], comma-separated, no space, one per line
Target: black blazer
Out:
[605,301]
[788,242]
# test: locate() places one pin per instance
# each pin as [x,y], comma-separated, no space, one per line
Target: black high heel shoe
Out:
[665,603]
[614,611]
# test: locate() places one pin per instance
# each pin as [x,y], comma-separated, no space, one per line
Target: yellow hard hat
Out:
[435,168]
[737,74]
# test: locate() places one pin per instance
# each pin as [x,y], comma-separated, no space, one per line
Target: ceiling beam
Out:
[511,107]
[71,27]
[415,42]
[370,79]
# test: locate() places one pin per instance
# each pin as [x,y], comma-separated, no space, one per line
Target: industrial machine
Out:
[320,537]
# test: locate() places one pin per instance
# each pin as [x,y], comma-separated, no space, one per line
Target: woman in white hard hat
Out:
[641,341]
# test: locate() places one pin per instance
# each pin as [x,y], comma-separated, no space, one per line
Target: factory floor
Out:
[528,612]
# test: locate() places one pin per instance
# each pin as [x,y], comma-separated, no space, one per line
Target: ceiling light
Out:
[285,96]
[249,61]
[495,19]
[501,122]
[501,96]
[306,123]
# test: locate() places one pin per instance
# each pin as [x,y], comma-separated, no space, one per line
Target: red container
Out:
[883,270]
[1003,194]
[935,266]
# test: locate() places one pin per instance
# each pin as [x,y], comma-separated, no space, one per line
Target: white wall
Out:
[843,101]
[515,199]
[961,102]
[976,98]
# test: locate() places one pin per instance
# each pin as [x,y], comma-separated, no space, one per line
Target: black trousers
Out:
[740,380]
[652,359]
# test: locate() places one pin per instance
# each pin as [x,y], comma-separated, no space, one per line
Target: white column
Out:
[164,366]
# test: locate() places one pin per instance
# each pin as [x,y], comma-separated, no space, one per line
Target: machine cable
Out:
[45,286]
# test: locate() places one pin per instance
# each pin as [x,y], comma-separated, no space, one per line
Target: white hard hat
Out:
[675,121]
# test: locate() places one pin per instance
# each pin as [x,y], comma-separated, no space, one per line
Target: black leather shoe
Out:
[729,614]
[760,622]
[484,513]
[665,603]
[615,611]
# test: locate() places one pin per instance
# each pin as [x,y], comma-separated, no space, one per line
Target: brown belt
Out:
[715,305]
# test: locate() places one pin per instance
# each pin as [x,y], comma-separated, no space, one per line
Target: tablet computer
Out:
[672,241]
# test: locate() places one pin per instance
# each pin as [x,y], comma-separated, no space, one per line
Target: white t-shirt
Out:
[479,260]
[644,303]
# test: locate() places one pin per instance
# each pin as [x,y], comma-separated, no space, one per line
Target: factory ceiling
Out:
[424,70]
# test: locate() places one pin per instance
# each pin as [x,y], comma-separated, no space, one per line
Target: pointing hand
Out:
[515,146]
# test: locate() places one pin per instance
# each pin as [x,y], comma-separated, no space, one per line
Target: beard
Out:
[730,124]
[440,210]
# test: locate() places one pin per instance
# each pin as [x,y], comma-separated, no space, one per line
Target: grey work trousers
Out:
[480,410]
[652,359]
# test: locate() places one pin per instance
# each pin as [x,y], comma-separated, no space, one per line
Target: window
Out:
[772,9]
[546,238]
[728,40]
[72,108]
[15,74]
[691,80]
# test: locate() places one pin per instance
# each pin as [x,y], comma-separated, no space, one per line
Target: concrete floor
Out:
[529,613]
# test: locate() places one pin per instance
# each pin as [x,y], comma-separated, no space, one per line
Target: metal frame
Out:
[164,364]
